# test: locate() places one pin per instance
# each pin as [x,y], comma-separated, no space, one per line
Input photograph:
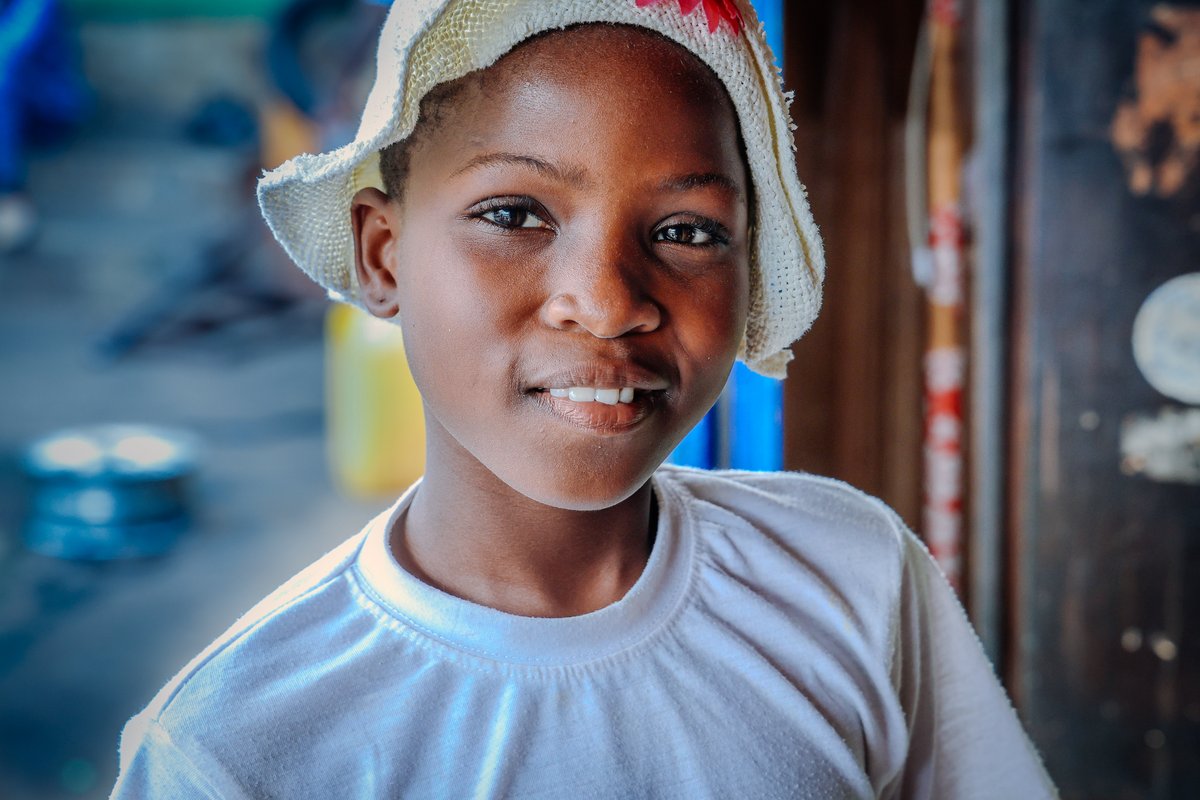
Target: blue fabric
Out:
[770,13]
[756,441]
[41,93]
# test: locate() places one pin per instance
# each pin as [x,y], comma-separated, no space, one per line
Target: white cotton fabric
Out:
[788,638]
[306,201]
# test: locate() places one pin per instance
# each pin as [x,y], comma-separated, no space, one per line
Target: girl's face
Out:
[578,219]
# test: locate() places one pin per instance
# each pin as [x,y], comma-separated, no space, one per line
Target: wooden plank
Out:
[903,338]
[852,406]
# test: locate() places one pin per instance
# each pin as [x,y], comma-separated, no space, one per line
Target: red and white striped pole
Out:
[945,356]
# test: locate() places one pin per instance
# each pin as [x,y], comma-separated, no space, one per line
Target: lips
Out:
[598,417]
[600,397]
[599,375]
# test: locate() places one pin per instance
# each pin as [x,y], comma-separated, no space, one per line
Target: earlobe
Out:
[374,227]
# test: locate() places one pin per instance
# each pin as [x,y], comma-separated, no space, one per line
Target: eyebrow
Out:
[701,180]
[574,177]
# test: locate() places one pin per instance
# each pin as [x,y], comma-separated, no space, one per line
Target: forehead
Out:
[598,84]
[576,51]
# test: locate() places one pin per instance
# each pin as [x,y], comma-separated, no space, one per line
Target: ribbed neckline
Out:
[536,641]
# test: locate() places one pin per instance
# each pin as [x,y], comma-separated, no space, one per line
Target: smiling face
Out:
[576,227]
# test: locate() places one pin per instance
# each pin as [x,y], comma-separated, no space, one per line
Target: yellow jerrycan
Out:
[375,422]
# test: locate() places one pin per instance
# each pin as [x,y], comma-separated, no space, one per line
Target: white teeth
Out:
[610,397]
[588,394]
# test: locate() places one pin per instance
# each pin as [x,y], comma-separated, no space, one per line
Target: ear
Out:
[375,223]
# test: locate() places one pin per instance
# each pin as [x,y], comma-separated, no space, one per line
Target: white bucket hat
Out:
[306,201]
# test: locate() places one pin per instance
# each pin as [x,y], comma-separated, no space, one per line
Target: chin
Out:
[587,491]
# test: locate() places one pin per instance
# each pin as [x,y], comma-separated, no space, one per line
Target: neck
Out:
[473,536]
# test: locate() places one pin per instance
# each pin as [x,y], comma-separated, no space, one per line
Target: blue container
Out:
[108,492]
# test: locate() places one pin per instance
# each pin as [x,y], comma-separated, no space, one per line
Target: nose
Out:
[603,293]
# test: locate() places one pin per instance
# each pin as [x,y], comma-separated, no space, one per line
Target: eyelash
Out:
[523,204]
[715,231]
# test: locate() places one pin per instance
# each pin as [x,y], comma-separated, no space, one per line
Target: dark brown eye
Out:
[508,217]
[680,233]
[685,234]
[513,217]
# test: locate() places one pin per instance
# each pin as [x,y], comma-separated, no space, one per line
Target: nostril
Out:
[605,319]
[603,295]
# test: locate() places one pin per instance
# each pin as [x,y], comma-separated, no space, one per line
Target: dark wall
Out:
[1106,579]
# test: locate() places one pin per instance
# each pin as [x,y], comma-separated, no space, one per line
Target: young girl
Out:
[583,213]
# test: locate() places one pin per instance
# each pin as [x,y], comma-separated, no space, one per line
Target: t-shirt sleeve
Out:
[154,766]
[965,739]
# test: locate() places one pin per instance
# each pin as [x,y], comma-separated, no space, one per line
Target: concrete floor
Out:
[128,211]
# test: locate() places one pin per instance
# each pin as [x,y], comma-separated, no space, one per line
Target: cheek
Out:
[710,323]
[437,313]
[716,316]
[457,312]
[737,306]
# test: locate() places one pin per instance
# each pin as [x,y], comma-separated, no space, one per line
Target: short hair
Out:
[394,159]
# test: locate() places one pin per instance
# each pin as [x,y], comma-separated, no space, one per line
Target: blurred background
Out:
[1009,352]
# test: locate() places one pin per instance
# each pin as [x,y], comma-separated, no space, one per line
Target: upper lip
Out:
[601,375]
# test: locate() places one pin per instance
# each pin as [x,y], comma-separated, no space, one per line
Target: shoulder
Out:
[789,506]
[803,542]
[257,701]
[295,597]
[260,644]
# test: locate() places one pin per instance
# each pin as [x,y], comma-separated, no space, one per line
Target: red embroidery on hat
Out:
[714,12]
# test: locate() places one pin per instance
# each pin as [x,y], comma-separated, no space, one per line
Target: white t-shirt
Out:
[788,638]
